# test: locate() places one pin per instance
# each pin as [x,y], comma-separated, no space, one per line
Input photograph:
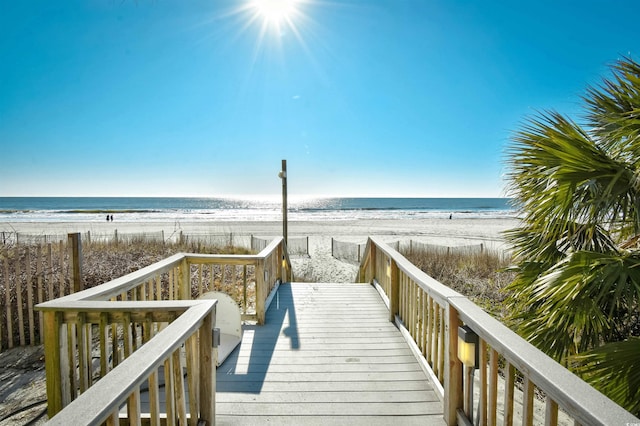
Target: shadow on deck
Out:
[326,355]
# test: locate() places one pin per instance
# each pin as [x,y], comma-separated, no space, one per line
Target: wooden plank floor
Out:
[326,355]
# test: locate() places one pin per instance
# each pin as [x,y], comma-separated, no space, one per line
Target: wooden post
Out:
[74,244]
[7,298]
[260,293]
[244,289]
[40,288]
[394,296]
[372,261]
[453,395]
[19,300]
[62,269]
[283,176]
[52,348]
[509,384]
[32,333]
[50,266]
[207,369]
[184,272]
[280,259]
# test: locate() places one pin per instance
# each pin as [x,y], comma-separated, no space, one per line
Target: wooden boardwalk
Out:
[326,355]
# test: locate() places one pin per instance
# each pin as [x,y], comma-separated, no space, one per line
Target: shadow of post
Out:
[245,370]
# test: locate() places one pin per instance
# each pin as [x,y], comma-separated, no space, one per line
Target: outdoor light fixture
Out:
[468,347]
[389,268]
[284,262]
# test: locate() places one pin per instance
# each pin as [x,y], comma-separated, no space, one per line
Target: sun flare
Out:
[275,11]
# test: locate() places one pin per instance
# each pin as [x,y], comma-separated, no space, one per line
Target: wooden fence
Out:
[295,245]
[353,252]
[29,275]
[429,315]
[32,274]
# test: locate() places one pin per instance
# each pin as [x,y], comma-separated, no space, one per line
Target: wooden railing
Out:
[429,314]
[75,394]
[110,340]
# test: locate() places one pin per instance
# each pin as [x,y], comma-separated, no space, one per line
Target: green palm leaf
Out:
[613,369]
[576,253]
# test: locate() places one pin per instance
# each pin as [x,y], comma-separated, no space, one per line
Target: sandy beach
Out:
[320,265]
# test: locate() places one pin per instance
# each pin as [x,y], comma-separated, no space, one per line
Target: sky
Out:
[408,98]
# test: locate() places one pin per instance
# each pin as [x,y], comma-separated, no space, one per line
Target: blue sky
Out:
[363,98]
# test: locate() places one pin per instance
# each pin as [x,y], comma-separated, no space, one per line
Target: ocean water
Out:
[139,209]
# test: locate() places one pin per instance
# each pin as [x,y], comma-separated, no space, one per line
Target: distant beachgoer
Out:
[107,218]
[111,218]
[450,217]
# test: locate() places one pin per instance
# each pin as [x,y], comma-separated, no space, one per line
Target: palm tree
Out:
[577,252]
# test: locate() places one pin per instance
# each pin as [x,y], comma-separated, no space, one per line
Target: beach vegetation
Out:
[480,275]
[576,292]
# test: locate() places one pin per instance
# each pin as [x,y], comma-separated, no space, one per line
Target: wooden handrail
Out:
[127,282]
[100,402]
[429,314]
[130,313]
[587,405]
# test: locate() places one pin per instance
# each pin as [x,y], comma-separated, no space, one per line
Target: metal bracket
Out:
[216,337]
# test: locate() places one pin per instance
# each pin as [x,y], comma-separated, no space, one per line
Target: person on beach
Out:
[107,218]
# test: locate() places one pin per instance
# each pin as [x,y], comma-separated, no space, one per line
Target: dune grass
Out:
[479,275]
[103,262]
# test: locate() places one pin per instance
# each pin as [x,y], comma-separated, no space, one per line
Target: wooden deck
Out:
[327,355]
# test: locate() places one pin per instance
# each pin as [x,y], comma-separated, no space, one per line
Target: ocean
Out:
[141,209]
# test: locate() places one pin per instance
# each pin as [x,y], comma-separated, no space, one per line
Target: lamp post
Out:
[283,175]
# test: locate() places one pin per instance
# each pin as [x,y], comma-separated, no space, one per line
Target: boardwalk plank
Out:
[349,408]
[326,355]
[426,420]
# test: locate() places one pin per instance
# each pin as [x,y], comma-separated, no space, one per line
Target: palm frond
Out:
[581,302]
[577,254]
[613,370]
[614,110]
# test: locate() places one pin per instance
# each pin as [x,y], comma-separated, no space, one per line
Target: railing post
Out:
[260,290]
[453,395]
[280,259]
[74,245]
[52,324]
[185,279]
[372,261]
[207,370]
[394,296]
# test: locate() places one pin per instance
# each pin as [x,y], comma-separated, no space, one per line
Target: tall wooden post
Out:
[453,394]
[394,293]
[75,255]
[283,176]
[261,295]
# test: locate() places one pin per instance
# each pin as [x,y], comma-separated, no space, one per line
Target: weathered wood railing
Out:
[98,333]
[429,314]
[74,397]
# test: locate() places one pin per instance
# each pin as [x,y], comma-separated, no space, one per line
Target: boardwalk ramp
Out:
[326,355]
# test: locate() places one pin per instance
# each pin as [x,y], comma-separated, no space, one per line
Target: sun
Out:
[275,11]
